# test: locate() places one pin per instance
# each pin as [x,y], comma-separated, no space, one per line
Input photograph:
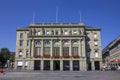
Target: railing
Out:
[56,56]
[75,56]
[65,56]
[37,56]
[46,55]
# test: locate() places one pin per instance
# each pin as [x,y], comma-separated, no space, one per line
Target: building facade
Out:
[111,54]
[58,46]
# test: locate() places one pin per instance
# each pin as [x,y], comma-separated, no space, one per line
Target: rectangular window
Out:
[65,50]
[21,35]
[20,54]
[47,50]
[56,50]
[74,50]
[37,50]
[19,63]
[95,43]
[21,43]
[96,53]
[95,35]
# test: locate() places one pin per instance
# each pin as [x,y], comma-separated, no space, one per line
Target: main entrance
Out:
[97,65]
[56,65]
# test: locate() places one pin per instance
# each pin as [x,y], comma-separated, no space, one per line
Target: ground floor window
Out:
[75,65]
[66,65]
[56,65]
[46,65]
[37,65]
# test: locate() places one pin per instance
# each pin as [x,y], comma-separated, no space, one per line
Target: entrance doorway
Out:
[37,65]
[56,65]
[97,65]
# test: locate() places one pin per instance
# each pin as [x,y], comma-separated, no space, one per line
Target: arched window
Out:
[47,42]
[37,42]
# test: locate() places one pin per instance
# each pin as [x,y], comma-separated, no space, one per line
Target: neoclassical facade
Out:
[58,46]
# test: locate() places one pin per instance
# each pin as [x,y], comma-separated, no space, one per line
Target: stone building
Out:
[111,53]
[58,46]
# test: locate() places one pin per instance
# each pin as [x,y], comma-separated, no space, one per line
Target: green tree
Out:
[4,56]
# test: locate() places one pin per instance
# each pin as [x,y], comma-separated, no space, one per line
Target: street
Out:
[61,75]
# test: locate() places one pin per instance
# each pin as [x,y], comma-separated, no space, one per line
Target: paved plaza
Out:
[61,75]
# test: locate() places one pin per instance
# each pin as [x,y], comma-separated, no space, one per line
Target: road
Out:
[61,75]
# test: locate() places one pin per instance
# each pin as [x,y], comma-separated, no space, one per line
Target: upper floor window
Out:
[37,42]
[47,42]
[65,42]
[56,42]
[95,35]
[47,50]
[56,32]
[75,42]
[65,32]
[56,50]
[21,35]
[47,32]
[65,50]
[96,53]
[74,32]
[20,54]
[38,33]
[74,50]
[21,43]
[95,43]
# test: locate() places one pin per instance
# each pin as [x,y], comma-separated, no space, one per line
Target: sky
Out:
[104,14]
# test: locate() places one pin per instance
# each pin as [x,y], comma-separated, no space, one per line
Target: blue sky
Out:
[104,14]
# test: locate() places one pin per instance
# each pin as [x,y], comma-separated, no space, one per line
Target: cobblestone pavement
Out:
[61,75]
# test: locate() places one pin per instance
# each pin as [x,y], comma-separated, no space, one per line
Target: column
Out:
[42,47]
[32,50]
[71,65]
[93,66]
[61,48]
[42,64]
[83,48]
[15,66]
[51,48]
[32,64]
[81,65]
[61,65]
[84,65]
[80,48]
[70,49]
[51,65]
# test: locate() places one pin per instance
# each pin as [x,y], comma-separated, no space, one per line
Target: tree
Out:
[4,56]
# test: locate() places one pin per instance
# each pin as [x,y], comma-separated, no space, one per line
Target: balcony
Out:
[56,56]
[75,56]
[37,56]
[65,56]
[46,55]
